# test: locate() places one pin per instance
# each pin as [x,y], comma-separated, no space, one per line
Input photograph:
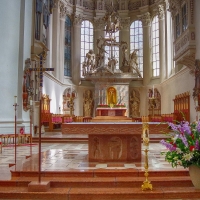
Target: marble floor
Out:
[68,156]
[73,157]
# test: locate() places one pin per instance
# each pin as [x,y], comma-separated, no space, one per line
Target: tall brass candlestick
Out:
[146,184]
[15,105]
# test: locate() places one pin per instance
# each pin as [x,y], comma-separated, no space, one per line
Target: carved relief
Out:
[145,18]
[134,147]
[134,104]
[115,148]
[96,148]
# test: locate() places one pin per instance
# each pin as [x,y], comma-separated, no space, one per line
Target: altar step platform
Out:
[101,185]
[111,119]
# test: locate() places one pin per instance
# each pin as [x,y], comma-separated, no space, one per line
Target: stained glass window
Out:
[67,51]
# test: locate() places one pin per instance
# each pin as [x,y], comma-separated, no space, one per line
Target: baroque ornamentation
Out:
[174,7]
[77,20]
[125,22]
[145,18]
[63,10]
[161,12]
[134,5]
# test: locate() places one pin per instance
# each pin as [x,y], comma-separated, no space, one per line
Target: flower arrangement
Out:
[183,148]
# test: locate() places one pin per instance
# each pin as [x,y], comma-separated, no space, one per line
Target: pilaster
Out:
[55,41]
[76,49]
[147,69]
[161,16]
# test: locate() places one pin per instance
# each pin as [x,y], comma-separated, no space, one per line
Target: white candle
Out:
[31,102]
[15,99]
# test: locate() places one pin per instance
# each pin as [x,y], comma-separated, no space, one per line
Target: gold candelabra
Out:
[146,184]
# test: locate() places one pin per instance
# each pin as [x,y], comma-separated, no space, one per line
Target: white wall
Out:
[15,40]
[182,82]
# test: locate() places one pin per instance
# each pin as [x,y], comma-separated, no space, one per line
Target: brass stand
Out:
[71,101]
[146,184]
[15,105]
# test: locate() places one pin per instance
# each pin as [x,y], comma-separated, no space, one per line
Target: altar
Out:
[100,111]
[109,142]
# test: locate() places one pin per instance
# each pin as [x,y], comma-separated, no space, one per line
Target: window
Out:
[67,56]
[155,47]
[136,41]
[184,18]
[177,26]
[86,40]
[112,51]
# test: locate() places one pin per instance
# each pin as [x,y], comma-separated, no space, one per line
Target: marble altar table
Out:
[110,142]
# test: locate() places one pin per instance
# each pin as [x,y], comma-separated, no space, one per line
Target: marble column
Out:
[76,50]
[196,15]
[55,40]
[161,16]
[147,72]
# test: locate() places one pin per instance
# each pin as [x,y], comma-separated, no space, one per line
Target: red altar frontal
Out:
[111,111]
[110,142]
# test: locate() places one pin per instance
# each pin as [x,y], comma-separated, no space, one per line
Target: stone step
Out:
[101,193]
[101,173]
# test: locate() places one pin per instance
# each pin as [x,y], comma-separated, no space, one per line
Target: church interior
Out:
[88,90]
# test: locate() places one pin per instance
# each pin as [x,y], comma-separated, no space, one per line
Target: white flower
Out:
[188,156]
[178,150]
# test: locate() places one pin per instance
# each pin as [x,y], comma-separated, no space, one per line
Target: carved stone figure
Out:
[88,104]
[134,104]
[133,63]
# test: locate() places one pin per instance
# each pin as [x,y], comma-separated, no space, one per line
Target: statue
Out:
[134,104]
[111,95]
[133,62]
[112,62]
[90,60]
[88,104]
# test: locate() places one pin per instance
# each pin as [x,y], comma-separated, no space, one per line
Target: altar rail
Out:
[7,139]
[159,118]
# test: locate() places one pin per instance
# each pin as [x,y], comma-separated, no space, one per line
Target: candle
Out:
[15,99]
[31,102]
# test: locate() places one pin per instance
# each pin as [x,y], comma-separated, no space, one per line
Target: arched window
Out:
[112,51]
[67,57]
[155,47]
[87,41]
[136,41]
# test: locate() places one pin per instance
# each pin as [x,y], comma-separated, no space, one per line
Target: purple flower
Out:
[185,127]
[197,145]
[168,145]
[198,126]
[184,139]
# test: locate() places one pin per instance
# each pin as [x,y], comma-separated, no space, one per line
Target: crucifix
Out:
[40,69]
